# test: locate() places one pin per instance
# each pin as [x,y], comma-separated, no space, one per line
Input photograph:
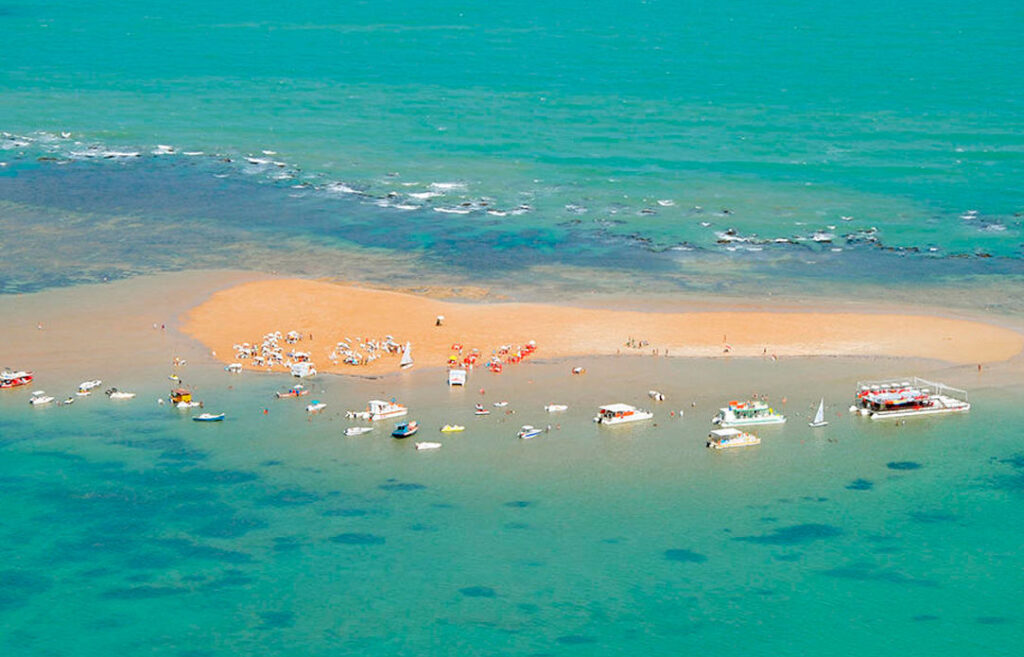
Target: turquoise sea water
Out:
[143,532]
[479,138]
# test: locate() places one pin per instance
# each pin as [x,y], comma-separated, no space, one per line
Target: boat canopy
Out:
[617,408]
[724,433]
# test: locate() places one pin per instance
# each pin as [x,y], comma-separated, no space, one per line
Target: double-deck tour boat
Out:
[907,398]
[9,379]
[621,413]
[726,438]
[741,414]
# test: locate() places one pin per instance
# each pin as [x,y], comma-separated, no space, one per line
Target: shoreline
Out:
[333,313]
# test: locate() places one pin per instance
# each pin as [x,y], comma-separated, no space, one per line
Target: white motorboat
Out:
[233,368]
[187,404]
[428,445]
[727,438]
[40,399]
[741,414]
[620,414]
[316,406]
[655,395]
[500,404]
[114,393]
[819,417]
[357,431]
[527,432]
[379,410]
[85,387]
[480,410]
[209,417]
[457,377]
[556,408]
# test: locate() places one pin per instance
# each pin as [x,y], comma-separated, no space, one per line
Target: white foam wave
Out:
[453,210]
[447,186]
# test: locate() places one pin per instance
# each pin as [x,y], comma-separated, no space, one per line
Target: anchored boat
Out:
[620,414]
[741,414]
[9,379]
[379,410]
[405,429]
[357,431]
[209,417]
[907,398]
[819,417]
[527,431]
[727,438]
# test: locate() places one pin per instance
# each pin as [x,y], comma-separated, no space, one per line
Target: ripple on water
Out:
[18,586]
[478,592]
[903,465]
[860,484]
[518,504]
[867,572]
[290,497]
[276,619]
[794,535]
[683,555]
[401,486]
[357,538]
[575,640]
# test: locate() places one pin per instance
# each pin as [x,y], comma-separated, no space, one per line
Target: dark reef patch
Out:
[794,535]
[402,486]
[357,538]
[478,592]
[270,620]
[866,572]
[682,555]
[903,465]
[575,640]
[860,484]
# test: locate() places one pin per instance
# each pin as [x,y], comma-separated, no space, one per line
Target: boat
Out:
[303,369]
[741,414]
[578,370]
[405,429]
[357,431]
[209,417]
[66,402]
[297,391]
[379,410]
[880,400]
[85,387]
[452,428]
[556,408]
[188,404]
[181,396]
[500,404]
[316,406]
[819,417]
[406,361]
[726,438]
[114,393]
[456,377]
[480,410]
[40,398]
[527,432]
[428,445]
[9,379]
[655,395]
[621,413]
[233,368]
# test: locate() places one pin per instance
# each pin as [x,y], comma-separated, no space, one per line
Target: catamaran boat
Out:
[556,408]
[405,429]
[316,406]
[527,432]
[907,398]
[726,438]
[428,445]
[9,379]
[621,413]
[379,410]
[741,414]
[85,387]
[357,431]
[456,377]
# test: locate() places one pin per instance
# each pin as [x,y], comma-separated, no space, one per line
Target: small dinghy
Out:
[316,406]
[188,404]
[66,402]
[405,429]
[819,417]
[556,408]
[480,410]
[501,404]
[209,417]
[578,370]
[357,431]
[426,445]
[527,432]
[452,428]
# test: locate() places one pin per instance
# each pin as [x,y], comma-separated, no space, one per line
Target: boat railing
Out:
[916,382]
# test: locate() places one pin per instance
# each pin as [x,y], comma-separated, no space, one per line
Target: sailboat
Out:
[406,361]
[819,417]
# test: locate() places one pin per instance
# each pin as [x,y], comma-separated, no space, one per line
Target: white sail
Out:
[406,357]
[819,417]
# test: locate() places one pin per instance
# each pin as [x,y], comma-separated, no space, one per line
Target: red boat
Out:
[15,379]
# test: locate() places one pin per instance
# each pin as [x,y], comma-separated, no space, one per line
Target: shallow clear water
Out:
[131,526]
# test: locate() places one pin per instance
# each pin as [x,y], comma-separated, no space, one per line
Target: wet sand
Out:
[331,313]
